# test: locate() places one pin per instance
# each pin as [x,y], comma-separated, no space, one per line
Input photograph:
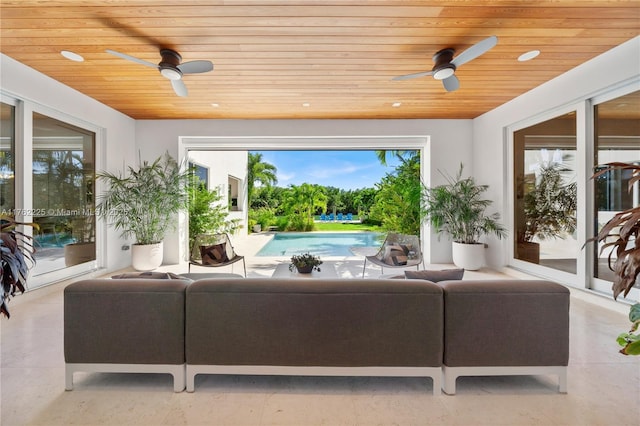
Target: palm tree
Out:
[399,154]
[304,200]
[259,171]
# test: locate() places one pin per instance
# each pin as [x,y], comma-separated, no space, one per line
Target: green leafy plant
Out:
[206,214]
[397,202]
[16,258]
[263,216]
[457,208]
[305,261]
[143,202]
[549,206]
[630,341]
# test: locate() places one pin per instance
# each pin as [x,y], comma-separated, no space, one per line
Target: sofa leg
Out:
[179,378]
[191,380]
[449,381]
[437,385]
[68,378]
[562,381]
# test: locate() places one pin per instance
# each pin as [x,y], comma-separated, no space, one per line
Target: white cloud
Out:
[284,177]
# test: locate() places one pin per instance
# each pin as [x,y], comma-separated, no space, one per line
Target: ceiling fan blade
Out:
[416,75]
[132,59]
[475,51]
[179,87]
[451,83]
[195,67]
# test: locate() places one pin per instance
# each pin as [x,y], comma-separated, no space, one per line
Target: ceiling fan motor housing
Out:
[169,64]
[443,67]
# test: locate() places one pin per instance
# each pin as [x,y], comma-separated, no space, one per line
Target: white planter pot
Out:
[470,257]
[146,257]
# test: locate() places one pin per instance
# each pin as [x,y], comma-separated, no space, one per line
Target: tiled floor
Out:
[604,386]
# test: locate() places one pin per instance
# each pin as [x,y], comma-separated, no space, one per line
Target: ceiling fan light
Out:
[171,74]
[443,73]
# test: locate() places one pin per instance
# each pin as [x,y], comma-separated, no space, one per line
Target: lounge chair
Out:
[214,251]
[397,251]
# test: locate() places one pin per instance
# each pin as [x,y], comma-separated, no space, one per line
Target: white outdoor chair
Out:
[397,251]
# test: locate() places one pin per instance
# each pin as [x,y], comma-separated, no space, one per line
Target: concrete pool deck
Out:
[346,266]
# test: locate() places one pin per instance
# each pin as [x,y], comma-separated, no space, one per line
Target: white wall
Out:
[222,165]
[450,145]
[616,67]
[42,93]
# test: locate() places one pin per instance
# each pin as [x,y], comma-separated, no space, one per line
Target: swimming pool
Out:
[319,244]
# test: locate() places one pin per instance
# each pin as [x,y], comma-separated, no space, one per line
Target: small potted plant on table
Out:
[305,263]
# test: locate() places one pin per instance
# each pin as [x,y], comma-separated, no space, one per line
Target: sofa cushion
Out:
[214,254]
[396,254]
[435,276]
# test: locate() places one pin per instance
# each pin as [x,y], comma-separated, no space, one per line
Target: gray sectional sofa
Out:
[356,327]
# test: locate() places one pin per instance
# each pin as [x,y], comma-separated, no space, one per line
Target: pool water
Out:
[320,244]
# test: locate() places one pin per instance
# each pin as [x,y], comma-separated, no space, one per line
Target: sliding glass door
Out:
[616,139]
[556,204]
[63,175]
[545,197]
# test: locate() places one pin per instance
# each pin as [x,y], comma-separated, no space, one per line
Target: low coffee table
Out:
[327,270]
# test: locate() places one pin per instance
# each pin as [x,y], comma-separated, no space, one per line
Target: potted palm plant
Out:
[549,207]
[458,209]
[142,203]
[16,258]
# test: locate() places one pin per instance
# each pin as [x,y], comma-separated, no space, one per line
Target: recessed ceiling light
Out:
[72,56]
[528,55]
[306,104]
[396,104]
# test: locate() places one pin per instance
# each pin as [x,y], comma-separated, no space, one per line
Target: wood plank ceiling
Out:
[309,59]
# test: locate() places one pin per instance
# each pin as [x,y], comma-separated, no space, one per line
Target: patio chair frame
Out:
[203,240]
[408,245]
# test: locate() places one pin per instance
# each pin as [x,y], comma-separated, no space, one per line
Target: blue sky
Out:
[341,169]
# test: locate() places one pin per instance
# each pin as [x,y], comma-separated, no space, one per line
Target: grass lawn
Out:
[346,227]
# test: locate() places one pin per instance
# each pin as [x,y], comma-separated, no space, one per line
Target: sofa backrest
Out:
[301,322]
[505,323]
[125,321]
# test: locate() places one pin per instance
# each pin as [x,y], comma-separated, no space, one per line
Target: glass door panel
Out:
[63,199]
[7,166]
[617,138]
[545,194]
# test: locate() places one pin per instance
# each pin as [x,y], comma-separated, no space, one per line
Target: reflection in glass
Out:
[7,141]
[546,194]
[617,138]
[63,199]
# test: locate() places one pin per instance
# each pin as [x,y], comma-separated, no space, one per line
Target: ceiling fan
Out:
[171,68]
[446,65]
